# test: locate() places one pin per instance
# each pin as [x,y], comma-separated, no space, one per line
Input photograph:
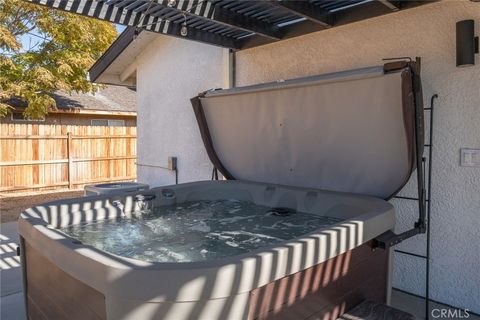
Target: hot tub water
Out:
[196,231]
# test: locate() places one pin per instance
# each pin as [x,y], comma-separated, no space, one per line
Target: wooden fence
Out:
[43,157]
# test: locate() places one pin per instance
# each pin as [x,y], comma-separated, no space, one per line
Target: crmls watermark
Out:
[446,313]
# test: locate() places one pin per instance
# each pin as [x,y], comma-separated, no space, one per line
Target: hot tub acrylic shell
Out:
[225,288]
[106,188]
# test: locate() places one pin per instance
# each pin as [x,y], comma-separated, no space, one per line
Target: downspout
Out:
[233,66]
[229,69]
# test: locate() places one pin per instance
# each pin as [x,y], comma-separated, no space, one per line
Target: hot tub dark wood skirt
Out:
[53,294]
[325,291]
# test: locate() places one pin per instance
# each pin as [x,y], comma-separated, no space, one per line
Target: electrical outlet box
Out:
[469,157]
[172,163]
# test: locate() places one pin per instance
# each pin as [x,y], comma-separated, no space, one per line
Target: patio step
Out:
[368,310]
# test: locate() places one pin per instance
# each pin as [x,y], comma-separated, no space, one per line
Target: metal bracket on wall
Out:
[390,239]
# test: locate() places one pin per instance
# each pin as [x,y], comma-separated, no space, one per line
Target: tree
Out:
[67,47]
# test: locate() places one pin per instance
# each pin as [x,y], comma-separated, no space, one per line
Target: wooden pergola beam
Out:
[245,23]
[392,5]
[306,10]
[205,10]
[106,11]
[372,9]
[214,23]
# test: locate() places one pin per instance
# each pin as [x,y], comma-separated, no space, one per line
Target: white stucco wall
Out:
[171,71]
[428,32]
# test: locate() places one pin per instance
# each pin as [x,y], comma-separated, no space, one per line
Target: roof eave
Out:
[113,52]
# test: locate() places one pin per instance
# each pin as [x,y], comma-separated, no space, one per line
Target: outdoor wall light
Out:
[467,43]
[184,29]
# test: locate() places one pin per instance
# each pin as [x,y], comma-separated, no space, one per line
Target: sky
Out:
[120,28]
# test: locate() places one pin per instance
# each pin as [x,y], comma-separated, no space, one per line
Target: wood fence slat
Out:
[70,160]
[60,137]
[30,162]
[39,156]
[104,158]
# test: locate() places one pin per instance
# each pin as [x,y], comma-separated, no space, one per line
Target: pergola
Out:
[234,24]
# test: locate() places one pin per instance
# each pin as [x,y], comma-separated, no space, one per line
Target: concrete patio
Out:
[12,306]
[12,303]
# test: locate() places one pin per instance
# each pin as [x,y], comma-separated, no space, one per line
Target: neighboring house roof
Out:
[117,65]
[109,100]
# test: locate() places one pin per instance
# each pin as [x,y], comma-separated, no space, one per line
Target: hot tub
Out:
[325,271]
[332,147]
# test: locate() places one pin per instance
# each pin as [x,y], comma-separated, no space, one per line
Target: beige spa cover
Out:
[346,131]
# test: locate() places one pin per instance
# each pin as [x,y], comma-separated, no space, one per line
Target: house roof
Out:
[111,99]
[233,24]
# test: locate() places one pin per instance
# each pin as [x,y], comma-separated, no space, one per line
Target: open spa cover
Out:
[350,131]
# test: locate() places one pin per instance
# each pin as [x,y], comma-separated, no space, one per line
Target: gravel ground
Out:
[11,205]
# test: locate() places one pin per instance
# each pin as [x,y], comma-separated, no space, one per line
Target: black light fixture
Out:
[467,43]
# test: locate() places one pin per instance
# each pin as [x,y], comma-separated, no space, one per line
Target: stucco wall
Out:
[169,73]
[428,32]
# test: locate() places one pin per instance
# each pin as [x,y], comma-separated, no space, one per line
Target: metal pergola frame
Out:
[233,24]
